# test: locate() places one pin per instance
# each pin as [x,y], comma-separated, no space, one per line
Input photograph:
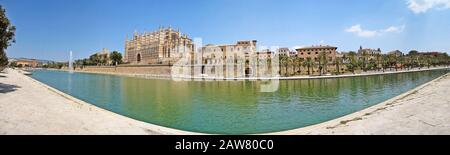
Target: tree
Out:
[308,63]
[116,57]
[365,56]
[7,33]
[413,52]
[444,59]
[421,61]
[400,61]
[378,62]
[337,62]
[414,60]
[353,64]
[428,61]
[3,60]
[434,61]
[372,64]
[299,63]
[323,62]
[79,64]
[95,59]
[290,62]
[103,59]
[392,59]
[294,65]
[13,64]
[285,62]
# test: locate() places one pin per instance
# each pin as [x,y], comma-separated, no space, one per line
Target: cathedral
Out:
[164,46]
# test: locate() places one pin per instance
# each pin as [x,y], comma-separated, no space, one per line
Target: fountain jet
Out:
[70,63]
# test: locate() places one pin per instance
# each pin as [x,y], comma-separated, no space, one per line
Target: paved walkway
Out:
[421,111]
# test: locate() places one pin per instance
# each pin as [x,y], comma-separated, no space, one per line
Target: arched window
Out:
[138,57]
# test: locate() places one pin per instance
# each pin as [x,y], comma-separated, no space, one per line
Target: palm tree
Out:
[284,62]
[292,65]
[421,60]
[353,64]
[365,56]
[296,62]
[434,61]
[385,62]
[410,60]
[392,61]
[308,63]
[269,64]
[443,59]
[300,64]
[415,60]
[116,58]
[323,62]
[379,59]
[428,61]
[337,62]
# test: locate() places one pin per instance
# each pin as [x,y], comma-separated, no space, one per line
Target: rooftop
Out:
[318,47]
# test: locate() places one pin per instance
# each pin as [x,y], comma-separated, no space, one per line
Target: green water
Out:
[233,107]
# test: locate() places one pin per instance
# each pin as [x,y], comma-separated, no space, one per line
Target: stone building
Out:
[232,54]
[314,51]
[265,54]
[343,56]
[104,53]
[164,46]
[371,53]
[26,62]
[397,53]
[239,51]
[286,52]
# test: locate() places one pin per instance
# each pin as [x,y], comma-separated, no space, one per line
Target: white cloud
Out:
[396,29]
[360,32]
[422,6]
[297,47]
[373,33]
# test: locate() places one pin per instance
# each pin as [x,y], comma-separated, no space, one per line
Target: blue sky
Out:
[49,29]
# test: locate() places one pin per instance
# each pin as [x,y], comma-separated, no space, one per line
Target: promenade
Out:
[424,110]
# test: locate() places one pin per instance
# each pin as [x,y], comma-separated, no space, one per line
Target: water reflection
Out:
[233,106]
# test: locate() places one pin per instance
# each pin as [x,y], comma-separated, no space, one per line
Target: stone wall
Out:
[160,70]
